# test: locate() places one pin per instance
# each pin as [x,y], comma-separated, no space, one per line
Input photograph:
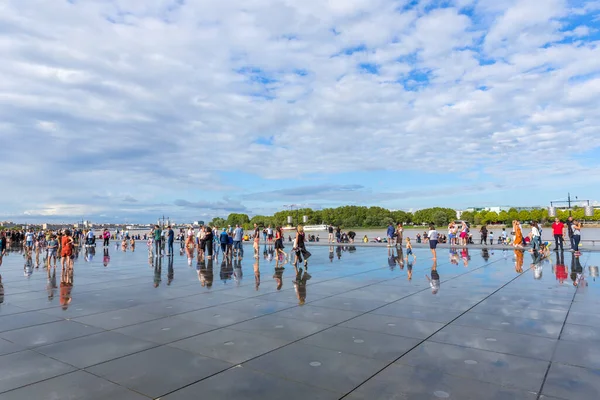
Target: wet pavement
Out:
[495,326]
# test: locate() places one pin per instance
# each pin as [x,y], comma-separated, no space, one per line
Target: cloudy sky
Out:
[122,110]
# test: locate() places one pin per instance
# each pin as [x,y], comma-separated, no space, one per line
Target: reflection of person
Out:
[106,258]
[1,291]
[66,286]
[256,274]
[278,276]
[518,261]
[560,268]
[300,284]
[434,281]
[157,272]
[409,269]
[170,271]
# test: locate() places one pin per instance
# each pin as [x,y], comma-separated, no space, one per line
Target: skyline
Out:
[120,111]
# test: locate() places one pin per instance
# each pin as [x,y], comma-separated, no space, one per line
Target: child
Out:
[52,250]
[491,237]
[409,251]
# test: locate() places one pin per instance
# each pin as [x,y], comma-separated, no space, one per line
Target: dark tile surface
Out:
[375,345]
[23,320]
[279,327]
[116,319]
[159,371]
[413,328]
[503,369]
[318,314]
[165,330]
[404,382]
[152,332]
[230,345]
[501,342]
[94,349]
[27,367]
[36,336]
[511,324]
[327,369]
[7,347]
[401,310]
[245,383]
[77,385]
[573,383]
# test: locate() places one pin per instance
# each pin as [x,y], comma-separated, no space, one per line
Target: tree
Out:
[503,217]
[440,218]
[237,219]
[217,221]
[468,216]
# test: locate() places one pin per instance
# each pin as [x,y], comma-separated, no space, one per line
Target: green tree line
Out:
[378,217]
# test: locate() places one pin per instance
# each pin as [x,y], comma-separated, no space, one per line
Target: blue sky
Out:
[126,110]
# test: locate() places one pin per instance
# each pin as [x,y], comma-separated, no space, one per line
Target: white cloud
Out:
[163,100]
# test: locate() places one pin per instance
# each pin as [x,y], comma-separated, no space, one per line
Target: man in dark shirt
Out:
[157,234]
[570,231]
[170,240]
[330,231]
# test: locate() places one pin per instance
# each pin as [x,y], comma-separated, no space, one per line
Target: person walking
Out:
[558,230]
[170,240]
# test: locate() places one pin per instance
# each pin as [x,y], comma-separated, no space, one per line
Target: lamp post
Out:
[588,209]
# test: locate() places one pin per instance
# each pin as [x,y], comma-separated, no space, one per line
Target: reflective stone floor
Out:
[497,327]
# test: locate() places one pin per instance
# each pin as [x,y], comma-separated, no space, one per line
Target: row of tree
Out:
[378,217]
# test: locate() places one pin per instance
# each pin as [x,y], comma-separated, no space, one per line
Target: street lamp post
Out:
[588,209]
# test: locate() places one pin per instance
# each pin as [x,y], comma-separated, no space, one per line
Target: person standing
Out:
[536,240]
[66,250]
[518,241]
[558,230]
[399,234]
[330,233]
[106,237]
[576,238]
[170,240]
[569,225]
[484,233]
[391,231]
[157,234]
[238,233]
[433,240]
[256,241]
[3,245]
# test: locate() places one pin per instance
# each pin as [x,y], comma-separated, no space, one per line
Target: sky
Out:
[127,110]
